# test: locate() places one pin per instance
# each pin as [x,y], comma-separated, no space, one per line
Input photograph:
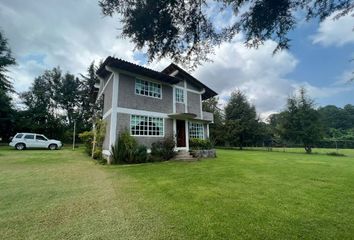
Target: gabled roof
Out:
[133,68]
[163,76]
[183,75]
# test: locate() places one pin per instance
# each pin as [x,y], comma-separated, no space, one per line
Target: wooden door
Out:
[181,133]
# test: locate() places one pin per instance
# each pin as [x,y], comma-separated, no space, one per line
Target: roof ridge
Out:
[140,66]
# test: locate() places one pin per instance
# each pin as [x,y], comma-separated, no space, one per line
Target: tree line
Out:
[299,124]
[54,101]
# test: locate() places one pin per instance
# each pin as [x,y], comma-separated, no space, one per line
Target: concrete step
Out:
[183,155]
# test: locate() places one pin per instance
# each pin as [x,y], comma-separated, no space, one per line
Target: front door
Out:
[181,133]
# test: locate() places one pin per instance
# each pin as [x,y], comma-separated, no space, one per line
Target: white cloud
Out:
[69,34]
[325,92]
[335,32]
[257,72]
[261,75]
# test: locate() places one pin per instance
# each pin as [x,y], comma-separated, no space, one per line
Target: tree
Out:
[56,100]
[6,108]
[240,120]
[69,99]
[6,115]
[300,122]
[41,108]
[185,31]
[6,60]
[88,94]
[217,129]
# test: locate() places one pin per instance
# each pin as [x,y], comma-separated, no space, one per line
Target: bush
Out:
[127,150]
[140,154]
[87,138]
[200,144]
[163,150]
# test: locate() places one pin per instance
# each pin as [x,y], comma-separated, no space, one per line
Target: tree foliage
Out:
[7,118]
[41,107]
[6,108]
[185,31]
[216,130]
[300,122]
[240,120]
[336,117]
[56,100]
[6,60]
[89,105]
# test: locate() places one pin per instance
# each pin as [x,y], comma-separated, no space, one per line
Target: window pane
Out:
[179,95]
[147,88]
[196,130]
[146,126]
[19,135]
[29,137]
[38,137]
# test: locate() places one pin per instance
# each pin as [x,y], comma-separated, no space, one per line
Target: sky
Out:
[71,34]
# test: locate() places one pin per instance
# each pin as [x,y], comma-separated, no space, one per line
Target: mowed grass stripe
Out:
[240,195]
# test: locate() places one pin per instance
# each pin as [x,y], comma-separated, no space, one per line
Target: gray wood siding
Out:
[108,97]
[194,103]
[180,108]
[106,137]
[128,99]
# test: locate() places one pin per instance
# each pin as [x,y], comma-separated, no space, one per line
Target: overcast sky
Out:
[47,33]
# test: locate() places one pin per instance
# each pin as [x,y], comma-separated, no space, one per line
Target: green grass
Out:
[347,152]
[240,195]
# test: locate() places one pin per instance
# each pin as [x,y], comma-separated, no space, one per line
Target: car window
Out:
[19,135]
[39,137]
[29,136]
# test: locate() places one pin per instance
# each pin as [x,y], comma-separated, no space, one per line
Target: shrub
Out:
[140,154]
[127,150]
[87,138]
[200,144]
[163,150]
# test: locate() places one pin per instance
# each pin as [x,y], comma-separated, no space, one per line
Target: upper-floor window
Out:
[146,126]
[147,88]
[179,95]
[196,130]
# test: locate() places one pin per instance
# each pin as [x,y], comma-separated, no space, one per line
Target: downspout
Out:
[113,123]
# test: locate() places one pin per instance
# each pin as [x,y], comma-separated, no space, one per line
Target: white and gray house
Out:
[152,105]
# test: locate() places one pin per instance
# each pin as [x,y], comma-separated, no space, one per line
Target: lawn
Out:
[240,195]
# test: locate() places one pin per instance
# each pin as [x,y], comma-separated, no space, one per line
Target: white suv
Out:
[32,140]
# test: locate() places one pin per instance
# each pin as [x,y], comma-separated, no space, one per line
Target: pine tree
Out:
[6,88]
[300,122]
[240,120]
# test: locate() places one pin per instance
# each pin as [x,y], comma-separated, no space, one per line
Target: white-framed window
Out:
[179,95]
[147,88]
[196,130]
[146,126]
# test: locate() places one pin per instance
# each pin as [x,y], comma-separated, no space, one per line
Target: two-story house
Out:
[151,104]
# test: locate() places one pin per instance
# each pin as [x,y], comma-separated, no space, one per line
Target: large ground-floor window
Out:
[146,126]
[196,130]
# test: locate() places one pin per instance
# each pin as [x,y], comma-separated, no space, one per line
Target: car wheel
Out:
[20,146]
[53,146]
